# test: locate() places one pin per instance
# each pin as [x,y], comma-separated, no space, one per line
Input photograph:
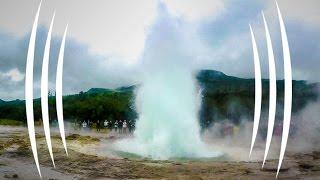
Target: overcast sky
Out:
[108,38]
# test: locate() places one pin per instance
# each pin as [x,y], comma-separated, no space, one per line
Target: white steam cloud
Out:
[168,100]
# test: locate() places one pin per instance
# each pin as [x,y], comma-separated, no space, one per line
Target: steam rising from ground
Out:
[304,136]
[306,127]
[168,100]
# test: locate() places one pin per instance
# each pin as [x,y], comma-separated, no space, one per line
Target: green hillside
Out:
[227,97]
[224,97]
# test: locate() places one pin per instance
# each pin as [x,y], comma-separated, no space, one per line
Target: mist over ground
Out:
[303,138]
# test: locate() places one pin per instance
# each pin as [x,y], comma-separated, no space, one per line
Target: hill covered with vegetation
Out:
[232,98]
[224,97]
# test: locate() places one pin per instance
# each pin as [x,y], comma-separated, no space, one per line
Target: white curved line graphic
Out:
[258,90]
[287,89]
[44,91]
[29,90]
[59,102]
[272,90]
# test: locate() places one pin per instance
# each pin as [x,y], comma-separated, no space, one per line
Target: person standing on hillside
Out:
[98,125]
[116,126]
[106,124]
[84,124]
[124,127]
[120,127]
[131,127]
[89,123]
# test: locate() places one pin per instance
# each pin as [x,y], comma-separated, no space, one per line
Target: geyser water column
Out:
[167,100]
[168,106]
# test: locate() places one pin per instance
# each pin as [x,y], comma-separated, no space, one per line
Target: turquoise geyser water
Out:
[168,126]
[168,99]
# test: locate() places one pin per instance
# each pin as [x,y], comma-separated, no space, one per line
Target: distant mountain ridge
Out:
[103,90]
[212,74]
[215,81]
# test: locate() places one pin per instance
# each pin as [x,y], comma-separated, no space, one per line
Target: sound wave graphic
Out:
[258,90]
[273,90]
[44,90]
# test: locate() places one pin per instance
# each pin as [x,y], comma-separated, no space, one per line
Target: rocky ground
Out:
[16,162]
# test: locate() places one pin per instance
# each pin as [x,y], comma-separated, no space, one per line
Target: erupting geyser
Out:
[167,100]
[167,126]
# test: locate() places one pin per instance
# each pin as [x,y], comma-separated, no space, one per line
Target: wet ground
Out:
[90,158]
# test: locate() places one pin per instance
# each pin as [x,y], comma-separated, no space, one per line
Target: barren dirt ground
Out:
[16,162]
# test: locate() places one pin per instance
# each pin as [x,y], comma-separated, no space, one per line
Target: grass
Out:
[82,139]
[10,122]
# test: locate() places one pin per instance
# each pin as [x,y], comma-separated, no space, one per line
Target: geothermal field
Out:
[159,89]
[95,156]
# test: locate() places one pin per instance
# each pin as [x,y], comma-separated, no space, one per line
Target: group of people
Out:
[119,126]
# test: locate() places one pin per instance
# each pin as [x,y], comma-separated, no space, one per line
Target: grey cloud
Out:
[223,44]
[230,41]
[82,69]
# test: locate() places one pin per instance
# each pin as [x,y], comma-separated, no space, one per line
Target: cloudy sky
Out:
[107,39]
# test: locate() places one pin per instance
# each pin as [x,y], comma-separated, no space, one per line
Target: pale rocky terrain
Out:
[88,160]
